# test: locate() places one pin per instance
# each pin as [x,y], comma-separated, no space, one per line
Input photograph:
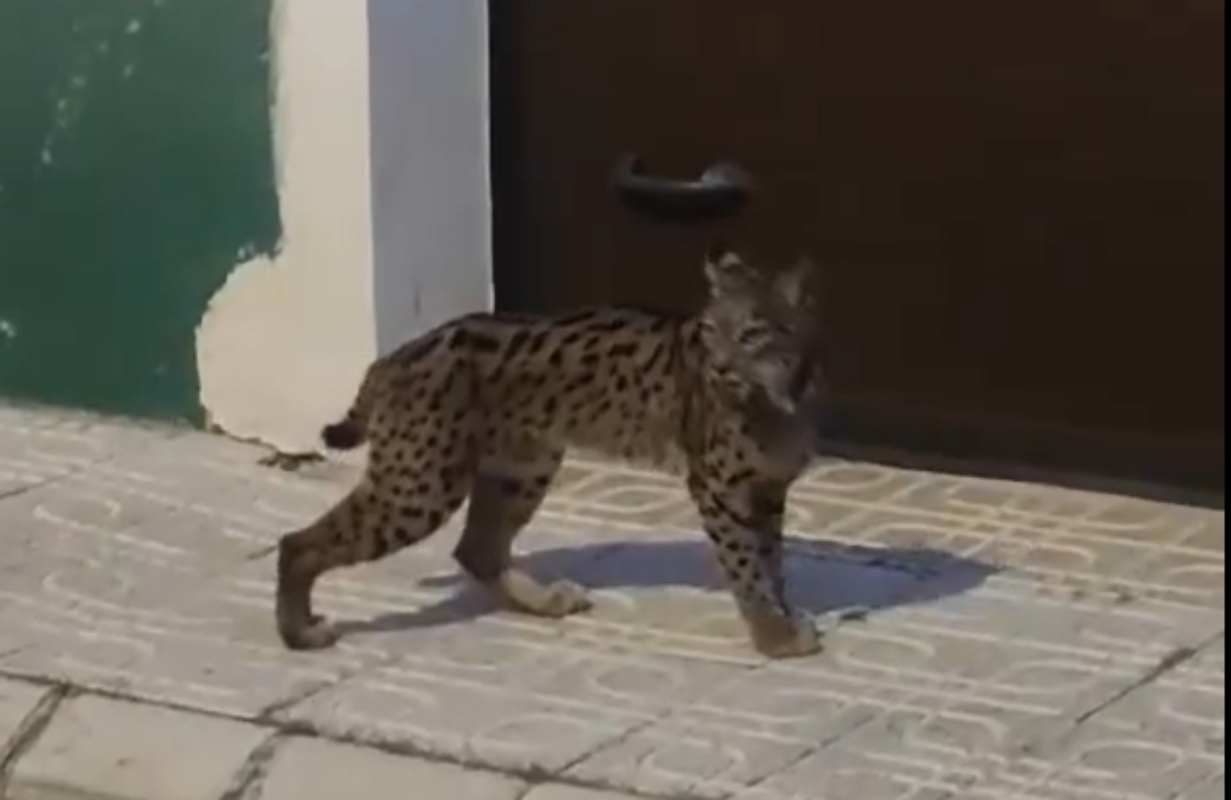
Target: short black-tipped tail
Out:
[352,430]
[343,435]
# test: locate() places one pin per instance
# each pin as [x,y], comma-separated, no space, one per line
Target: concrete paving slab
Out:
[562,792]
[18,700]
[1213,789]
[99,748]
[467,720]
[314,769]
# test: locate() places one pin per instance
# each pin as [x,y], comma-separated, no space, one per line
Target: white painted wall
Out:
[381,125]
[431,199]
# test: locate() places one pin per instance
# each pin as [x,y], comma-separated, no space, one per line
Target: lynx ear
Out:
[797,284]
[727,272]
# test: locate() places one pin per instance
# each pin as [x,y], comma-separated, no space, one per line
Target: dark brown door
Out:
[1017,207]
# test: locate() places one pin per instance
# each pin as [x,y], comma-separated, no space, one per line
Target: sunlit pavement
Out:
[983,640]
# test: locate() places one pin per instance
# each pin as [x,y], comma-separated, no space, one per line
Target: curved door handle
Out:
[722,190]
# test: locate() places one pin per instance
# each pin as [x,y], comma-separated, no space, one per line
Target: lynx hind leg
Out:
[507,491]
[345,535]
[410,490]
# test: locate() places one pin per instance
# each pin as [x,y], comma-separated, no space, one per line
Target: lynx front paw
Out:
[783,636]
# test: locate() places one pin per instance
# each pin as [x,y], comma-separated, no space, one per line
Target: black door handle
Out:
[722,190]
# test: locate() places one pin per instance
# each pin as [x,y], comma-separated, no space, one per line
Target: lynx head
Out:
[759,328]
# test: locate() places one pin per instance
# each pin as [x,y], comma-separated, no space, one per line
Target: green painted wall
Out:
[136,170]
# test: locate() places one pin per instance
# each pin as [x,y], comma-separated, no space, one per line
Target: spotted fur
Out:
[485,406]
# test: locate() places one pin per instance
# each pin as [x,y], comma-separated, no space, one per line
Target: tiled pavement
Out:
[986,640]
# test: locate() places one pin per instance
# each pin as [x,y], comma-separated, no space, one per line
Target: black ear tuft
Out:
[728,274]
[717,249]
[797,285]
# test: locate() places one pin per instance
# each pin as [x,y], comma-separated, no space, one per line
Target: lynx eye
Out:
[755,336]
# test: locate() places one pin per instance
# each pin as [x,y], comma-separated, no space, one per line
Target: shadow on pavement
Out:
[822,577]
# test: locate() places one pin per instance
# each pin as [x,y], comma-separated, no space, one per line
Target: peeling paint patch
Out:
[284,342]
[7,329]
